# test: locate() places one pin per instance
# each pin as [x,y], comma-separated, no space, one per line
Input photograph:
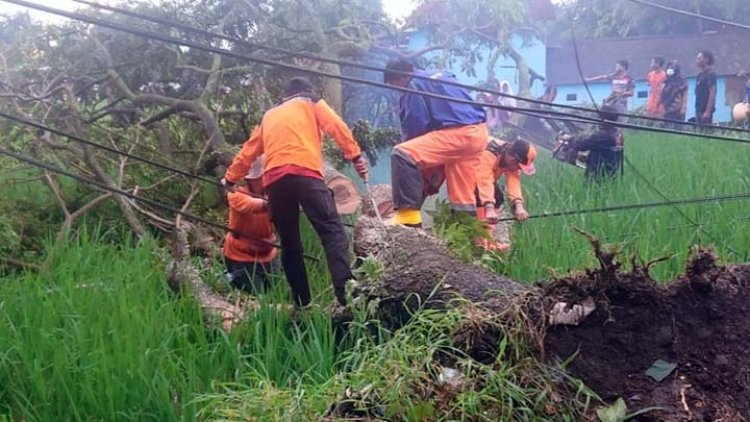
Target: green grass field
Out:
[678,168]
[99,336]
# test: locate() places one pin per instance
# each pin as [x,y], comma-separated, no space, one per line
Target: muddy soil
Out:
[700,322]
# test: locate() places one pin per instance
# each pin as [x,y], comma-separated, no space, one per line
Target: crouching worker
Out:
[290,136]
[249,253]
[606,147]
[442,138]
[509,159]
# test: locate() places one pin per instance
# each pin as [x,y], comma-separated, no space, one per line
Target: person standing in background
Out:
[507,89]
[674,93]
[623,86]
[655,80]
[705,89]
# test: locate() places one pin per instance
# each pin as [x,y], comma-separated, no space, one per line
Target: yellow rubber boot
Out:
[407,217]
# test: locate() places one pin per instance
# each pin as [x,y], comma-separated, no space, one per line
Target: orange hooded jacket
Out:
[251,230]
[489,172]
[291,137]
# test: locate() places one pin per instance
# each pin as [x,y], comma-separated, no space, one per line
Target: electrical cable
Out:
[624,159]
[687,218]
[151,202]
[172,40]
[272,63]
[643,205]
[78,139]
[194,30]
[690,14]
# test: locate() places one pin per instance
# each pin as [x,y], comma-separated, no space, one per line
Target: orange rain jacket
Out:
[489,173]
[291,137]
[250,228]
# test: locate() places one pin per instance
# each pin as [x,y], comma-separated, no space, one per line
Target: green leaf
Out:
[660,370]
[617,412]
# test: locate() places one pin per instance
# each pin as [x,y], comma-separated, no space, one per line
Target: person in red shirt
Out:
[656,78]
[290,136]
[248,250]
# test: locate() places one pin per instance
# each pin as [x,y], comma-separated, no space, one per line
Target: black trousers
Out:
[286,195]
[250,277]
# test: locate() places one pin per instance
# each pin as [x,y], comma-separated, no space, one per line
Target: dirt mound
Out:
[700,322]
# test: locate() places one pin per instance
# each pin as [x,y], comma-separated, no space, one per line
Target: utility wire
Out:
[624,158]
[191,175]
[194,30]
[100,185]
[272,63]
[151,202]
[691,14]
[643,205]
[696,225]
[125,154]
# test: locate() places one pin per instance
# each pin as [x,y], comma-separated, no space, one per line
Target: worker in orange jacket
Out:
[291,137]
[509,159]
[249,251]
[441,138]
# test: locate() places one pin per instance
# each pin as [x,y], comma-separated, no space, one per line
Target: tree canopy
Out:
[607,18]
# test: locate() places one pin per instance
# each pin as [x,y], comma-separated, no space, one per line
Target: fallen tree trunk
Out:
[627,321]
[419,270]
[184,277]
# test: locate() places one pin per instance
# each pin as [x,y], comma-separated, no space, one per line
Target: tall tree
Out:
[461,28]
[606,18]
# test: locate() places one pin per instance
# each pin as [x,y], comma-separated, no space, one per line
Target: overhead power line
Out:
[272,63]
[626,207]
[691,14]
[150,202]
[144,160]
[319,58]
[156,204]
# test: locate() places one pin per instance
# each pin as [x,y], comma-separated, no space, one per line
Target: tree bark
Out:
[419,270]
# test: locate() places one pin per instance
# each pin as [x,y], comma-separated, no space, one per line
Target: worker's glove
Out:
[362,167]
[491,214]
[521,213]
[228,186]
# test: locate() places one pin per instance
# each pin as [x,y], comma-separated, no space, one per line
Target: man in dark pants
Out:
[705,89]
[290,136]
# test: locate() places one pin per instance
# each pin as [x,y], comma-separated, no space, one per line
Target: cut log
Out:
[183,276]
[345,192]
[382,196]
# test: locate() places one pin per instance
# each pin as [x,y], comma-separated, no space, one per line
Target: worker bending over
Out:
[290,136]
[443,140]
[249,253]
[502,158]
